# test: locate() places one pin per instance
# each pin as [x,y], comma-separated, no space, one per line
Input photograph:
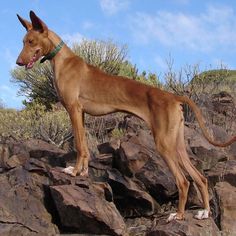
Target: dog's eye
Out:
[30,41]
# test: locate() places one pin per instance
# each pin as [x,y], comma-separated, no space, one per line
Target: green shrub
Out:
[50,126]
[117,133]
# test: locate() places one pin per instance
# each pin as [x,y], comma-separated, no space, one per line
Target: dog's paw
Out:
[171,217]
[202,214]
[175,216]
[69,170]
[84,172]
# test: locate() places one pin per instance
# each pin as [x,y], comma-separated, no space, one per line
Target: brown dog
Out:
[83,88]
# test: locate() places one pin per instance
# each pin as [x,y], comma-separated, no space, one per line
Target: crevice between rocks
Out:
[18,223]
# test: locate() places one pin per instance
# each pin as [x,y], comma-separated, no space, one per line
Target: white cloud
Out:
[70,39]
[111,7]
[205,32]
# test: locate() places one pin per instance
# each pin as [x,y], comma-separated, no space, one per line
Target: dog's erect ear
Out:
[25,23]
[37,23]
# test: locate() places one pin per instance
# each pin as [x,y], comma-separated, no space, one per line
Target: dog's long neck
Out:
[63,54]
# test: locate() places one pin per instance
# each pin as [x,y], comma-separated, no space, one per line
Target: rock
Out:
[209,158]
[16,148]
[137,157]
[37,166]
[132,125]
[105,159]
[85,210]
[223,113]
[58,177]
[128,192]
[4,155]
[109,147]
[12,156]
[22,204]
[14,161]
[232,151]
[206,155]
[135,151]
[223,172]
[194,138]
[194,196]
[189,226]
[139,226]
[220,110]
[130,199]
[158,180]
[131,157]
[226,195]
[49,153]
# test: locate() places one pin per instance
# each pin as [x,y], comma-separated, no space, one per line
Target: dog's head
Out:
[35,43]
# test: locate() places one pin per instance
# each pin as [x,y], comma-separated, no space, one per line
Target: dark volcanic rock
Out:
[223,172]
[22,204]
[85,210]
[45,151]
[208,157]
[130,199]
[157,178]
[138,157]
[129,191]
[189,226]
[12,155]
[226,195]
[134,152]
[201,152]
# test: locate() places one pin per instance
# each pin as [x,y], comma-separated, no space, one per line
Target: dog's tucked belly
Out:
[96,109]
[99,109]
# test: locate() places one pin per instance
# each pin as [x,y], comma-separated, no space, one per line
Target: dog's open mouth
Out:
[32,61]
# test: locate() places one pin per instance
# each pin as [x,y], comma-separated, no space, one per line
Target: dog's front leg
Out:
[77,120]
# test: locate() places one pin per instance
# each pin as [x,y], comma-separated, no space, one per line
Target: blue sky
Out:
[191,31]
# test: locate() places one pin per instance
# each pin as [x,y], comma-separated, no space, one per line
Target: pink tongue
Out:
[31,63]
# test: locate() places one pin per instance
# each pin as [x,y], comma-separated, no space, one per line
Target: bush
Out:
[105,55]
[53,127]
[198,85]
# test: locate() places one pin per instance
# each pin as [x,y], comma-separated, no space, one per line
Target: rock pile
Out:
[130,190]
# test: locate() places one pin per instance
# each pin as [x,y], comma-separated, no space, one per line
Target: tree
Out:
[37,84]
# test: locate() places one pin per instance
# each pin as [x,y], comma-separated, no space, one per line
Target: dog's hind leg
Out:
[165,131]
[198,178]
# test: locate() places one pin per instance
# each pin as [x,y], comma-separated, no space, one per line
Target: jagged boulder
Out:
[83,208]
[129,197]
[22,204]
[223,172]
[226,196]
[189,226]
[137,157]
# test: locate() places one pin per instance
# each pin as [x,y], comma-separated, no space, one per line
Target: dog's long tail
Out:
[198,114]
